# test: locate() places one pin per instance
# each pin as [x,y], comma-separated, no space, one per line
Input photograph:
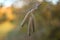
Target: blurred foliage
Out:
[47,21]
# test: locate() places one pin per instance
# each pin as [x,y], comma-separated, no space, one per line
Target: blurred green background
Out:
[47,20]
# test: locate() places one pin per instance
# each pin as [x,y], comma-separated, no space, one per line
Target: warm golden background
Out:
[47,17]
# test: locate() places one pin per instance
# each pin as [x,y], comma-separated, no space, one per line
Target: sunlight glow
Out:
[15,3]
[7,3]
[53,1]
[19,4]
